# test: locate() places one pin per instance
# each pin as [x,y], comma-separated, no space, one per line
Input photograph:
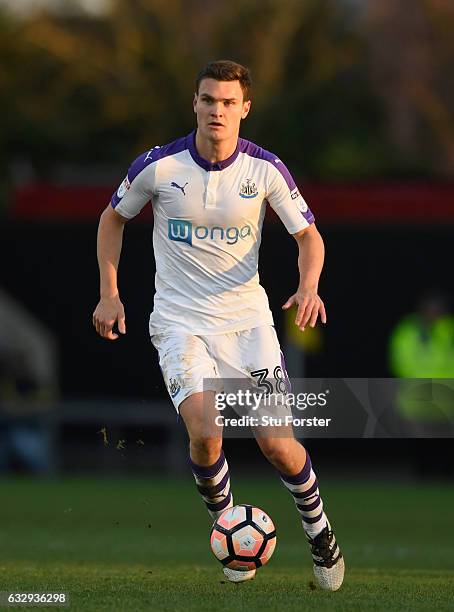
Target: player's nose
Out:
[216,110]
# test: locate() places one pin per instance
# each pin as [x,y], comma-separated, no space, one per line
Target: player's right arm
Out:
[110,310]
[129,199]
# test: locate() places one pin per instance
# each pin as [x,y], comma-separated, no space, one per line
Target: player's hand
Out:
[310,306]
[109,311]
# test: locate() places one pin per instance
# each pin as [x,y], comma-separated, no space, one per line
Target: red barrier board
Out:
[371,203]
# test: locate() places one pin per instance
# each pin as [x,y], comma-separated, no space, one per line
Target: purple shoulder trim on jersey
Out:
[254,150]
[170,149]
[206,165]
[309,216]
[149,157]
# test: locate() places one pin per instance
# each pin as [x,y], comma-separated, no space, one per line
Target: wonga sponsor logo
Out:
[180,230]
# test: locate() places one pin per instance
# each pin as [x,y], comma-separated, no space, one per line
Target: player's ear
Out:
[246,109]
[194,102]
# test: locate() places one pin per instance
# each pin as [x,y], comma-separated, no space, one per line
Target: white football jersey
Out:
[207,231]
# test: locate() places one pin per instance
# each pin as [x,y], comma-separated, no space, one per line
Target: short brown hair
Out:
[226,70]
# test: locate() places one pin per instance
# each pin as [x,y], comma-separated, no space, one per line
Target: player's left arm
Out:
[310,264]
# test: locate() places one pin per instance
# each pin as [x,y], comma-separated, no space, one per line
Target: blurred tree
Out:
[340,91]
[411,60]
[320,115]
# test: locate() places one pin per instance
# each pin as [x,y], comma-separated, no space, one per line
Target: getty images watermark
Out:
[331,407]
[280,408]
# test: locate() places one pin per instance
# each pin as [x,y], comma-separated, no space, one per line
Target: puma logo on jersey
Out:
[149,155]
[172,184]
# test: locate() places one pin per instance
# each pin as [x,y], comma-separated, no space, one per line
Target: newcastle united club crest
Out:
[174,387]
[248,190]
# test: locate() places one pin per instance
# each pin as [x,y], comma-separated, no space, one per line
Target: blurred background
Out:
[355,96]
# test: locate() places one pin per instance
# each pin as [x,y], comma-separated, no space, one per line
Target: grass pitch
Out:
[143,545]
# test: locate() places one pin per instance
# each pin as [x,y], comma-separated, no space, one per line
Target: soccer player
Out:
[211,318]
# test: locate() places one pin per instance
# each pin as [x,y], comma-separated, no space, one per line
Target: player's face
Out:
[219,107]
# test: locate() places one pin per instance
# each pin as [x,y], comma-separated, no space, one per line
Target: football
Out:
[243,538]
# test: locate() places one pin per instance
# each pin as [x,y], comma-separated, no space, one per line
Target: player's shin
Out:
[213,484]
[304,489]
[328,561]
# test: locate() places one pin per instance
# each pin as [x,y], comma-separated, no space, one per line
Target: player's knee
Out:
[205,451]
[277,453]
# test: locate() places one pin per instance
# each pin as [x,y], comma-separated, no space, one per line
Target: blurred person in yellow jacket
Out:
[422,347]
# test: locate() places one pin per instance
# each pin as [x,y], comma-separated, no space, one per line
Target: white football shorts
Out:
[187,360]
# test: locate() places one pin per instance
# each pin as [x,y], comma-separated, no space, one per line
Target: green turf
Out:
[130,545]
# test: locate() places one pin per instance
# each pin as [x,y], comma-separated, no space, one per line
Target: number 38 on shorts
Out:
[187,360]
